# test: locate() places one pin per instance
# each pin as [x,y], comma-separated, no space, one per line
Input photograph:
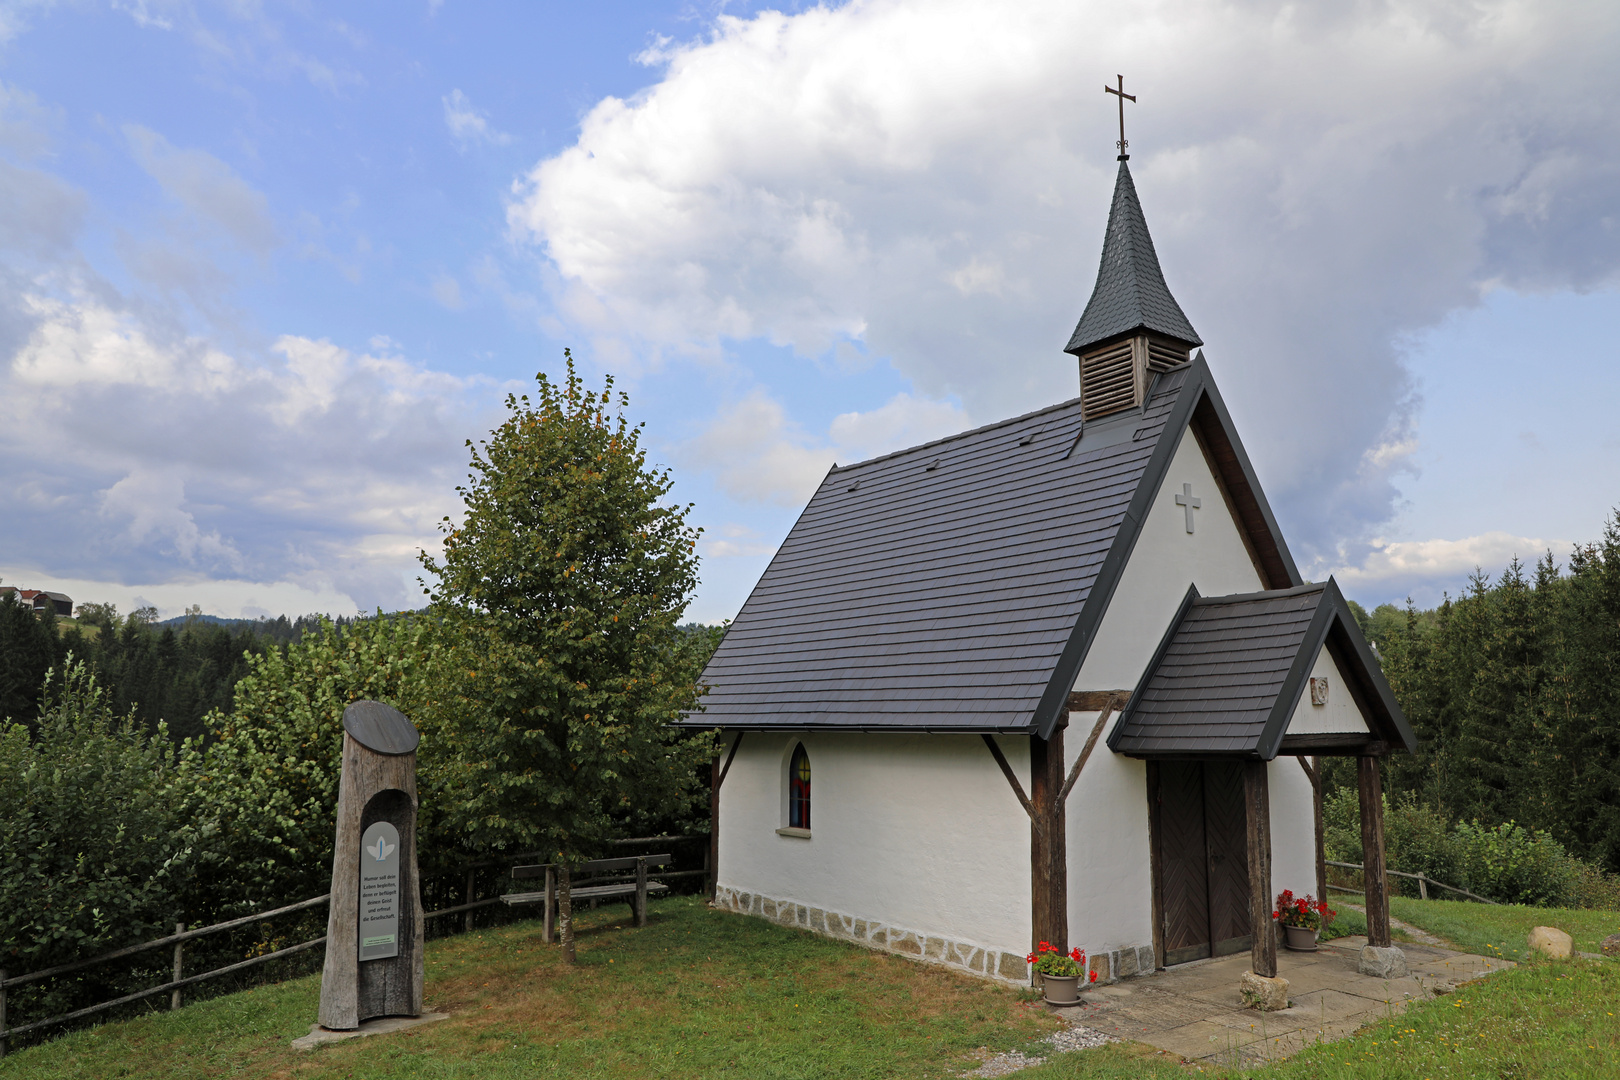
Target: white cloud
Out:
[758,454]
[141,457]
[931,177]
[1389,568]
[467,125]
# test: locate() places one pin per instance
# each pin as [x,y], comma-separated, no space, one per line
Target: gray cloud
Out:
[933,180]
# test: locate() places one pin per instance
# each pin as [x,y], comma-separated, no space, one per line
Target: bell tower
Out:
[1132,326]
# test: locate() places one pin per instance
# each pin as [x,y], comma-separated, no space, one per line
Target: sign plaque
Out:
[374,925]
[379,892]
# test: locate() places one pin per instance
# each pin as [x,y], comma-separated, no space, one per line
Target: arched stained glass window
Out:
[799,789]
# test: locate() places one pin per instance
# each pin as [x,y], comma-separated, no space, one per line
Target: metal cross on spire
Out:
[1123,97]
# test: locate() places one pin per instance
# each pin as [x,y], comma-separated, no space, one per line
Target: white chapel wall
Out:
[920,833]
[1166,559]
[1341,714]
[1110,880]
[1293,828]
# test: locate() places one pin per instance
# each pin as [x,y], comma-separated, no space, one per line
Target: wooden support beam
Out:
[1091,744]
[1349,744]
[1048,854]
[1097,700]
[1374,878]
[1313,770]
[1257,811]
[1007,771]
[1154,869]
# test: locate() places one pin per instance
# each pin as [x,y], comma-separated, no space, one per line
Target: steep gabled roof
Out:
[1130,293]
[957,586]
[1230,671]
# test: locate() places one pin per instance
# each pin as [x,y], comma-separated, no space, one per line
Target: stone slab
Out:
[386,1025]
[1195,1011]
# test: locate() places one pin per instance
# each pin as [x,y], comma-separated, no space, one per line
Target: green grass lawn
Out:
[1540,1021]
[697,993]
[1502,929]
[700,993]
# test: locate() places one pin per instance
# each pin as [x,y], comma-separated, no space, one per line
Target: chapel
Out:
[1053,679]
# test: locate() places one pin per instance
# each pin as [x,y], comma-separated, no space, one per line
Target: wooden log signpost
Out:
[374,931]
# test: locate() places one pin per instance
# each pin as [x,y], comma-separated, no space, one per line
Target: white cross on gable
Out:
[1187,500]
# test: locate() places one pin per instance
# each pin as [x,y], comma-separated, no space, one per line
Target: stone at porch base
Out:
[1267,995]
[1383,963]
[1551,941]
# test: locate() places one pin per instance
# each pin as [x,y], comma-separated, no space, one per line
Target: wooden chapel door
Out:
[1203,859]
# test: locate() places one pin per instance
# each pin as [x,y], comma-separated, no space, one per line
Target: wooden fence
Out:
[178,939]
[1423,880]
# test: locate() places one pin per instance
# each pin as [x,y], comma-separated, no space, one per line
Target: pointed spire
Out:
[1130,294]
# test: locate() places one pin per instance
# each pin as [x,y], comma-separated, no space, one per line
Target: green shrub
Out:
[97,839]
[1505,862]
[1594,888]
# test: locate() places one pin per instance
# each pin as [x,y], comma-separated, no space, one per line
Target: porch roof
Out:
[1231,669]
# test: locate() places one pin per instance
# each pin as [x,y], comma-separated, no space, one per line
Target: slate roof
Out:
[1231,669]
[956,586]
[1130,293]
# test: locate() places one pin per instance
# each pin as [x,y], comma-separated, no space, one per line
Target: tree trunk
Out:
[565,912]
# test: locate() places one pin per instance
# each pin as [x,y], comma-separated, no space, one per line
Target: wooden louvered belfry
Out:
[1117,376]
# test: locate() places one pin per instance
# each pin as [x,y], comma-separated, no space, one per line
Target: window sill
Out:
[802,834]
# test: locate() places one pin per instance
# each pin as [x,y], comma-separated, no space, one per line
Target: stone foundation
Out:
[973,958]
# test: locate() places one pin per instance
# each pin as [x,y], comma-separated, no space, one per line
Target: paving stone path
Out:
[1194,1010]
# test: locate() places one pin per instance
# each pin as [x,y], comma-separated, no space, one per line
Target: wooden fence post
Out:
[1423,886]
[641,890]
[179,960]
[468,922]
[548,919]
[2,1012]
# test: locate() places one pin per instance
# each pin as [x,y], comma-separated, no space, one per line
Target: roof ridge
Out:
[1070,403]
[1264,594]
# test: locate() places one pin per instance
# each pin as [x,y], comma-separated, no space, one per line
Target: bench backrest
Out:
[595,866]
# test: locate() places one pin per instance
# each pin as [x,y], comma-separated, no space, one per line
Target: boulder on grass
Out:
[1553,942]
[1259,992]
[1611,945]
[1383,963]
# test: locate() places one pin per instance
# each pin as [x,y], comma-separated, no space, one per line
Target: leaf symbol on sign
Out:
[381,850]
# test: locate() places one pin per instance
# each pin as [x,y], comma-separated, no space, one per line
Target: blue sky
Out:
[264,268]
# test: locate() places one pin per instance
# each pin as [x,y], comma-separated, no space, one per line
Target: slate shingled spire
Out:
[1131,294]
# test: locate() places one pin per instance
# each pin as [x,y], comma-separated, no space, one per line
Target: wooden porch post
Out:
[1372,851]
[1257,811]
[714,828]
[1048,847]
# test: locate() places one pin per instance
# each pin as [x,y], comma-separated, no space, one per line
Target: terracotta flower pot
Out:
[1061,989]
[1299,938]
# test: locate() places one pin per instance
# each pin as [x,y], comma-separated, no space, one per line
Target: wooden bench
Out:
[635,891]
